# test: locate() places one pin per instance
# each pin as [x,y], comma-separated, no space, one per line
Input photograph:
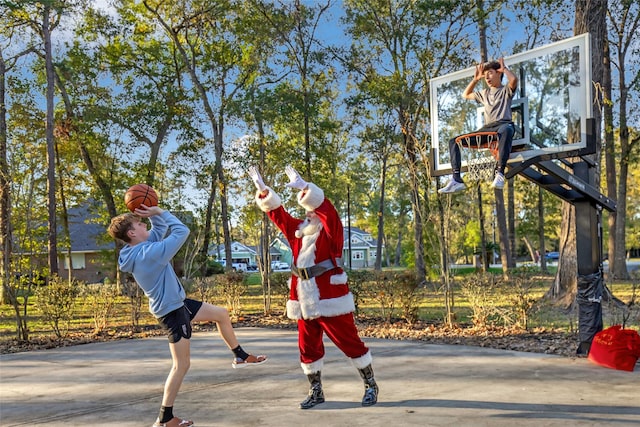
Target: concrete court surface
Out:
[120,384]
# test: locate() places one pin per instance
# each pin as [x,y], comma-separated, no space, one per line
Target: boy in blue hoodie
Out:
[147,254]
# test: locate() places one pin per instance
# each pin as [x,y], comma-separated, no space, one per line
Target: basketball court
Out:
[120,383]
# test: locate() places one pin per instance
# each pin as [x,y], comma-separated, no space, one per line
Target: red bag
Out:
[616,348]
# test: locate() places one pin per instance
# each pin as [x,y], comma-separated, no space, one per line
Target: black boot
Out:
[316,396]
[370,387]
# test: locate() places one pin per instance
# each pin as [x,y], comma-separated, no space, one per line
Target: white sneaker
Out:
[452,186]
[498,181]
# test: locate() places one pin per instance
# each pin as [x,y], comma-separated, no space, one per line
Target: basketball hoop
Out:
[480,165]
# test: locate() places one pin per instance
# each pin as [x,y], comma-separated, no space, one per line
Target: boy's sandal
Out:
[249,361]
[173,422]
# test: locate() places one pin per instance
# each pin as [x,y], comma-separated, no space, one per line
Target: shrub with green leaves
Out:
[231,286]
[280,289]
[382,289]
[409,295]
[203,288]
[57,301]
[358,280]
[100,301]
[480,290]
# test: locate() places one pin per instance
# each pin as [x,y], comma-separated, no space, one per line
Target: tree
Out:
[7,63]
[590,17]
[624,19]
[394,53]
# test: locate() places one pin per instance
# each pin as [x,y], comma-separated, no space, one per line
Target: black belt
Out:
[315,270]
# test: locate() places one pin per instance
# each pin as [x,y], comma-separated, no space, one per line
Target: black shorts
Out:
[178,322]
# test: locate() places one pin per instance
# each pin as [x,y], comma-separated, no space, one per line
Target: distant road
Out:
[632,265]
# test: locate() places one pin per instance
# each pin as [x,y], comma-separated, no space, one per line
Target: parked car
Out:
[280,266]
[552,256]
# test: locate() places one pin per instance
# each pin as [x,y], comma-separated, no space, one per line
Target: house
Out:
[363,248]
[91,247]
[240,253]
[90,254]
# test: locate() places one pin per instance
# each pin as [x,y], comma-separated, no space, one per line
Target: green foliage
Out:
[480,290]
[409,295]
[231,286]
[57,301]
[100,301]
[520,302]
[381,289]
[358,280]
[280,288]
[203,287]
[135,296]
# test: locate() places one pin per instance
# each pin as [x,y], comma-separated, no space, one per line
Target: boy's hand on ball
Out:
[147,211]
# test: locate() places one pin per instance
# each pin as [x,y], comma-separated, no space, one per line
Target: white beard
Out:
[309,227]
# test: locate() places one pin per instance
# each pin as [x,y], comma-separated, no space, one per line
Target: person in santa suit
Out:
[320,299]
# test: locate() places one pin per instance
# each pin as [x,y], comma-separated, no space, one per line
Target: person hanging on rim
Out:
[496,100]
[320,299]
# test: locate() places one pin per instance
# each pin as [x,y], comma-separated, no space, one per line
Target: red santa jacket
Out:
[327,294]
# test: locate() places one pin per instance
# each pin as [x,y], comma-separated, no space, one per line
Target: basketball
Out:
[140,194]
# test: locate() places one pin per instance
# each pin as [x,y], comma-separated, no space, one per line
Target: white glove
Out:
[257,179]
[295,180]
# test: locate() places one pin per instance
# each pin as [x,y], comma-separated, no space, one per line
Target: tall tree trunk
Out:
[51,166]
[565,285]
[482,33]
[590,17]
[627,39]
[609,156]
[511,223]
[411,156]
[5,188]
[541,240]
[383,173]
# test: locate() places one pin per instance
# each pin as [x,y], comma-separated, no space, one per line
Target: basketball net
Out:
[482,152]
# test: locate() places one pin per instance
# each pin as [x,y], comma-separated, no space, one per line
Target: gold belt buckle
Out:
[304,274]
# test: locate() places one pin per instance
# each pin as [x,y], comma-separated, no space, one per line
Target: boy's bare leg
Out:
[181,355]
[219,315]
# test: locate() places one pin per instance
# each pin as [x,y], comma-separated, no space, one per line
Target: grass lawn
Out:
[429,302]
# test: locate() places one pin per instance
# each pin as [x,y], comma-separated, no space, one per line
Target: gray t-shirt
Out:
[496,102]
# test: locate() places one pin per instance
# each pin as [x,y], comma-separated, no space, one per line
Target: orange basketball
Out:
[140,194]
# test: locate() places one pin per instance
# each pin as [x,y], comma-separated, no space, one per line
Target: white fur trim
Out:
[309,297]
[312,368]
[339,279]
[270,202]
[337,306]
[308,309]
[293,310]
[362,361]
[313,197]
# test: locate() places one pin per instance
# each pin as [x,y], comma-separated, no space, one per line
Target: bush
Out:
[280,289]
[408,293]
[204,288]
[520,302]
[382,289]
[57,303]
[479,288]
[100,301]
[358,280]
[231,286]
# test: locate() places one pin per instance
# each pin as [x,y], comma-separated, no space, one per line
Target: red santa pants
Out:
[341,330]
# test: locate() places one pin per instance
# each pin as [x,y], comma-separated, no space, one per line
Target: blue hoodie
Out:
[150,264]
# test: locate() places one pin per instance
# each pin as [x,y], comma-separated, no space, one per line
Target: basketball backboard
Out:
[550,108]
